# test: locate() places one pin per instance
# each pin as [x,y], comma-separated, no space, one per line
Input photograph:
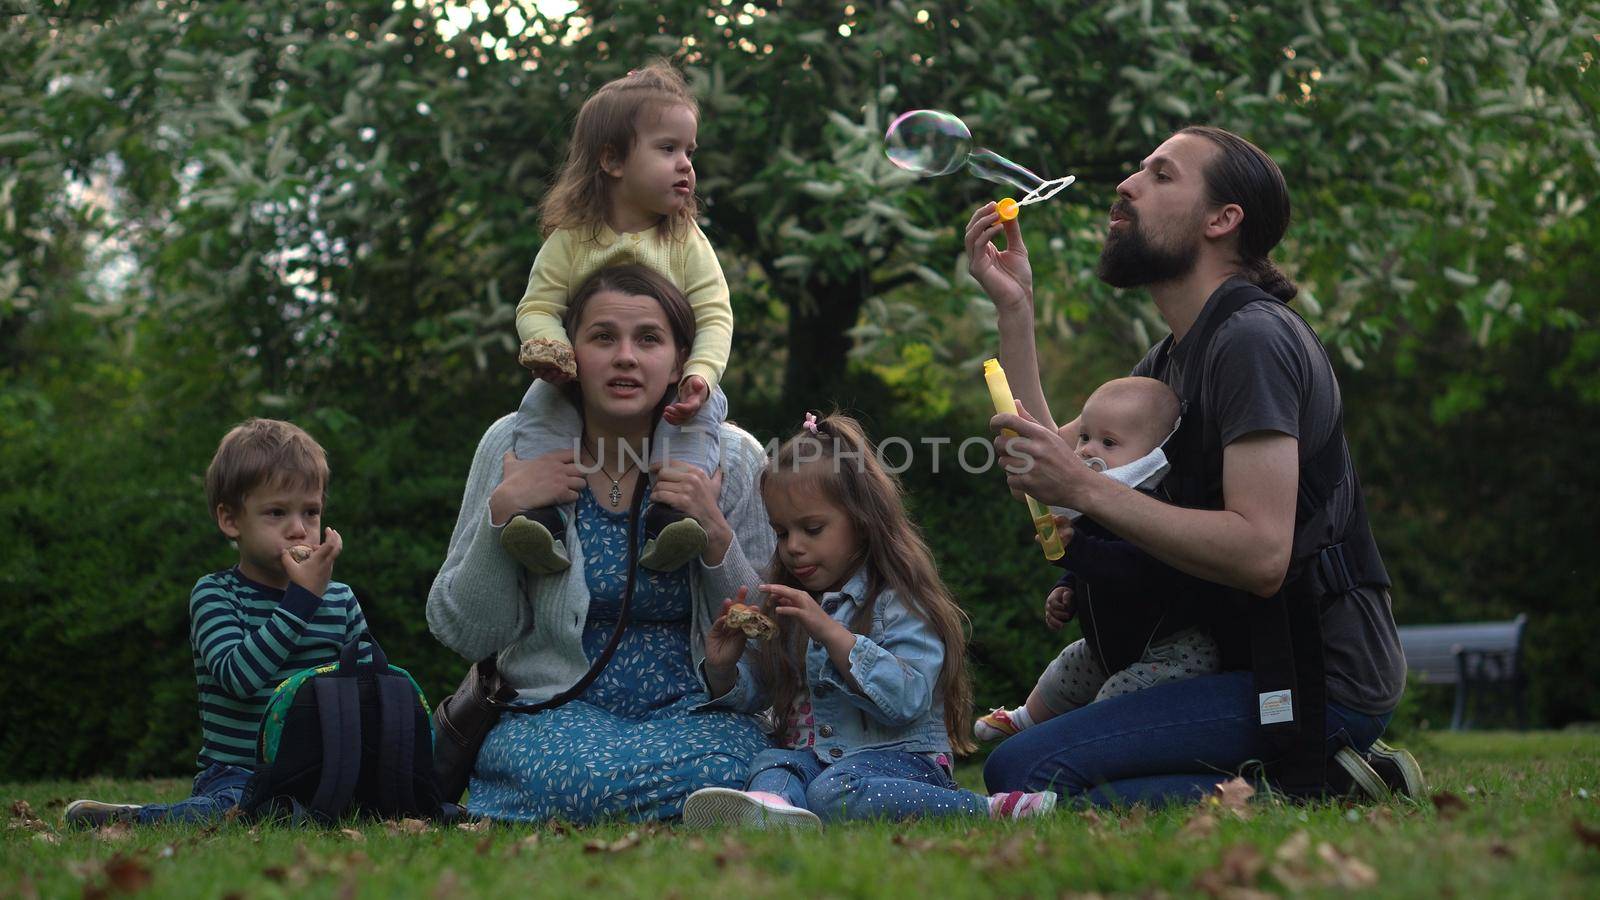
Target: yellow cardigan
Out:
[569,256]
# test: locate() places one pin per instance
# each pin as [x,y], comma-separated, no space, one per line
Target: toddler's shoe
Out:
[995,726]
[672,539]
[531,537]
[712,807]
[1021,804]
[94,813]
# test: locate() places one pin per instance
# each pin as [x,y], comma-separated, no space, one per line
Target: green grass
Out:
[1527,802]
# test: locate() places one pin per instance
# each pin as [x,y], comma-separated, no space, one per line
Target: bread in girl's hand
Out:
[751,621]
[300,553]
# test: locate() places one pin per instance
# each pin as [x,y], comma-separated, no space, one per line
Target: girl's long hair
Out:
[608,126]
[840,465]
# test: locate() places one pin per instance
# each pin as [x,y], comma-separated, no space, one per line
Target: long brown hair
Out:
[1243,173]
[839,464]
[607,127]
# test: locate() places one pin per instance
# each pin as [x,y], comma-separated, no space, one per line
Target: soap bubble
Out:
[933,142]
[928,142]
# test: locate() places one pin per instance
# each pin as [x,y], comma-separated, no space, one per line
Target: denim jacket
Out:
[896,664]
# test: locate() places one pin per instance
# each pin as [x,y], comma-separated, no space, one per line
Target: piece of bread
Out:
[751,621]
[300,553]
[543,353]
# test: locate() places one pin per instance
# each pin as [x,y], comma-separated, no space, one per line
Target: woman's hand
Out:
[547,480]
[1006,276]
[1039,463]
[694,493]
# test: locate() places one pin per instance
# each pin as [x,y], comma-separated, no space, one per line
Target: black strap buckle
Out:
[1333,570]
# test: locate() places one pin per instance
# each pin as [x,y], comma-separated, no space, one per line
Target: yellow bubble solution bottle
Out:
[1004,402]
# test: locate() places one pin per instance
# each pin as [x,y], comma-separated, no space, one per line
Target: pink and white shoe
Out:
[714,807]
[1021,804]
[995,726]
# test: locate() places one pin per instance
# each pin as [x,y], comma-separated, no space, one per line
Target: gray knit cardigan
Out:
[482,602]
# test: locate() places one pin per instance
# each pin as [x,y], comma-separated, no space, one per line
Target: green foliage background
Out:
[325,211]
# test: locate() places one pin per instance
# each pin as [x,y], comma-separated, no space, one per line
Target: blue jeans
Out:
[217,789]
[1172,743]
[870,784]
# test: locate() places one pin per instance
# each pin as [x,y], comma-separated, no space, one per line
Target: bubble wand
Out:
[1044,522]
[931,142]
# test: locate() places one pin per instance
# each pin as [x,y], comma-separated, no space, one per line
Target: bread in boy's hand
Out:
[300,553]
[541,354]
[751,621]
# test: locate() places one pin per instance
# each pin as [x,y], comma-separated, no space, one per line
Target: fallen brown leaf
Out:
[1448,804]
[1234,875]
[475,825]
[1589,836]
[22,817]
[626,842]
[1352,873]
[354,835]
[405,826]
[1200,825]
[1501,850]
[127,874]
[47,837]
[1294,848]
[1234,795]
[915,845]
[114,832]
[484,846]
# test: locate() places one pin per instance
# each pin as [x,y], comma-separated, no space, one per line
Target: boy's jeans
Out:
[217,789]
[871,784]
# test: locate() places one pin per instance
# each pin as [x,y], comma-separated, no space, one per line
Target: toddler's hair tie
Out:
[810,424]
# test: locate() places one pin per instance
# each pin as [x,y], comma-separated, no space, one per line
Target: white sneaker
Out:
[713,807]
[94,813]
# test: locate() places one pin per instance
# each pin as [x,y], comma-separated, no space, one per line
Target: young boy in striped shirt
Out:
[260,621]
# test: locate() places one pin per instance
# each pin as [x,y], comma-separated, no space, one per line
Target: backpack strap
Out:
[339,715]
[397,751]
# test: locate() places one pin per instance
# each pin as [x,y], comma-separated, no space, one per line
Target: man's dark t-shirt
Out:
[1266,371]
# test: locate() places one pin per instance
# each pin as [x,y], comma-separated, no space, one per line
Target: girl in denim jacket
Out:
[866,675]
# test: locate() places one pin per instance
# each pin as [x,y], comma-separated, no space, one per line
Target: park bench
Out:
[1485,657]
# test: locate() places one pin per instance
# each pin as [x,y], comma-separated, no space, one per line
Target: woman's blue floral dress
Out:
[629,747]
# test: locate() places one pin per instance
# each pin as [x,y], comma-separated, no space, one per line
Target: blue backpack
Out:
[348,738]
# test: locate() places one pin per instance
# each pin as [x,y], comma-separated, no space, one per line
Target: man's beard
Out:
[1129,259]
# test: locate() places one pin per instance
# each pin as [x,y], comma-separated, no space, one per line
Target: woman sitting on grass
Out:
[629,746]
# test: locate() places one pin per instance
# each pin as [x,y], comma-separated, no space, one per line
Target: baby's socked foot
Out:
[713,807]
[1001,723]
[672,539]
[531,538]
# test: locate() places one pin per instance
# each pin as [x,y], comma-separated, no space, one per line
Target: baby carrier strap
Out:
[1279,638]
